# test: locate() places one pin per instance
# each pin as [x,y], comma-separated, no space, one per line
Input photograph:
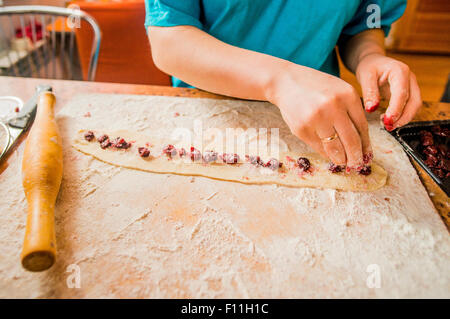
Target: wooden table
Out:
[64,90]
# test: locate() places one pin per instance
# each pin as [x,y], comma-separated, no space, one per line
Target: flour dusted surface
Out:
[136,234]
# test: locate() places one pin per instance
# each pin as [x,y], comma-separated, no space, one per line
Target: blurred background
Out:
[421,39]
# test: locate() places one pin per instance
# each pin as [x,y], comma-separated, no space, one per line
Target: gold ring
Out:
[330,138]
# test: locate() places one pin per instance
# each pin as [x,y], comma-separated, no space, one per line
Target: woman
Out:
[284,52]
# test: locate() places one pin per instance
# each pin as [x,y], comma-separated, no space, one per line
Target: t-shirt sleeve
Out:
[170,13]
[375,14]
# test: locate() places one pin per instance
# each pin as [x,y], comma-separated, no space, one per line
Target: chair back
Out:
[126,53]
[39,41]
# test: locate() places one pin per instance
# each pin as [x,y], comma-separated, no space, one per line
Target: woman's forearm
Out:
[315,105]
[205,62]
[361,45]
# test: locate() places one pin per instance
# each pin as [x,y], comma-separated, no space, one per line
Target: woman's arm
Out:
[360,45]
[315,105]
[364,55]
[212,65]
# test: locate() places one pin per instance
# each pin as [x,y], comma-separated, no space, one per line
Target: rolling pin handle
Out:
[41,179]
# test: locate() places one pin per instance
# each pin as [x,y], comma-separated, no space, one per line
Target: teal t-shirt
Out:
[301,31]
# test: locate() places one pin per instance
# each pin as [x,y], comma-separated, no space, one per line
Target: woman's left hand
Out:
[383,76]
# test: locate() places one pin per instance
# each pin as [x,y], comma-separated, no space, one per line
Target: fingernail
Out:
[387,120]
[371,106]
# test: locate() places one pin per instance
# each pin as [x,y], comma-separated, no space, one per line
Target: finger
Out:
[384,90]
[413,105]
[359,120]
[311,138]
[317,145]
[370,90]
[334,149]
[399,87]
[350,139]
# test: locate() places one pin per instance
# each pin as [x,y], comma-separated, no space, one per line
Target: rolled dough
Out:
[246,173]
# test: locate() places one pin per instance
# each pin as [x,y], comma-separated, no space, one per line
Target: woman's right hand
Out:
[318,107]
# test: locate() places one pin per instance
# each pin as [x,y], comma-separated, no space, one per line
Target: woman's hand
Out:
[383,76]
[318,107]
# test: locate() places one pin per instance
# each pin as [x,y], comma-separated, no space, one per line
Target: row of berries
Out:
[362,170]
[210,156]
[365,169]
[105,141]
[119,142]
[230,158]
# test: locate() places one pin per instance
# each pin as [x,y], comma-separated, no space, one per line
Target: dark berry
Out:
[443,164]
[121,143]
[230,158]
[333,168]
[443,151]
[431,161]
[103,138]
[106,143]
[446,164]
[143,152]
[440,131]
[439,173]
[431,150]
[181,152]
[169,150]
[365,170]
[89,136]
[209,156]
[273,164]
[254,159]
[303,163]
[426,138]
[445,132]
[194,154]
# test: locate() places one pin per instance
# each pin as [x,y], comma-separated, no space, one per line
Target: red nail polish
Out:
[388,121]
[372,107]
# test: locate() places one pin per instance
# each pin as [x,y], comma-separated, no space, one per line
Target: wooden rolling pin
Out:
[41,177]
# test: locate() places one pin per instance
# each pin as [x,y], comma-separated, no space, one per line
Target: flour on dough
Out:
[245,173]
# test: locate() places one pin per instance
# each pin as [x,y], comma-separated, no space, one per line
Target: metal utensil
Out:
[12,129]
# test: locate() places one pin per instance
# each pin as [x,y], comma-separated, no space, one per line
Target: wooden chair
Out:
[39,41]
[126,55]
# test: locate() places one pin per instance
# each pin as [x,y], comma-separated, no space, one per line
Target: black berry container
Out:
[429,144]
